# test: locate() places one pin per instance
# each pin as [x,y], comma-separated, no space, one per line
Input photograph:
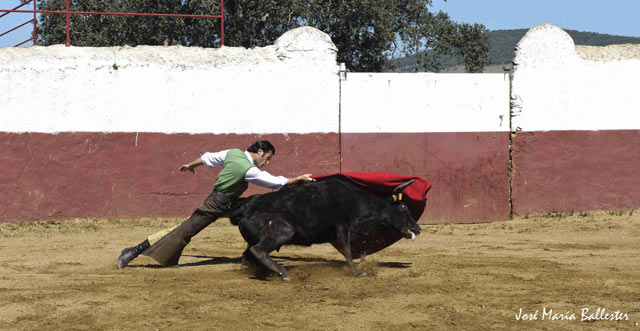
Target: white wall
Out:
[425,102]
[289,87]
[558,86]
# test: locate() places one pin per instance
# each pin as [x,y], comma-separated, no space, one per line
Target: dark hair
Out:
[264,145]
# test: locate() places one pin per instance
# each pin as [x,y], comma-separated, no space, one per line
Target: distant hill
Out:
[501,52]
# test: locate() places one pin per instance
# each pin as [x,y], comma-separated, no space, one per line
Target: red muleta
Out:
[382,185]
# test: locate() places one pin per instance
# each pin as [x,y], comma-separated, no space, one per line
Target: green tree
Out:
[368,33]
[107,30]
[472,44]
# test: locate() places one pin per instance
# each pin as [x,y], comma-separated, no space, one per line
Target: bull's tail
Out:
[241,206]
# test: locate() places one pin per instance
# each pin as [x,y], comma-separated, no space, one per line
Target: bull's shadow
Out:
[262,274]
[398,265]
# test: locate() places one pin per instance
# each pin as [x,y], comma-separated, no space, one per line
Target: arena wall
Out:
[576,121]
[452,129]
[101,132]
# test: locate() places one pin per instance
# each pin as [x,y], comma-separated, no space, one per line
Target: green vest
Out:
[231,179]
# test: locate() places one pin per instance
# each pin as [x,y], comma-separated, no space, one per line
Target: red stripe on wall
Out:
[57,176]
[564,171]
[469,171]
[67,175]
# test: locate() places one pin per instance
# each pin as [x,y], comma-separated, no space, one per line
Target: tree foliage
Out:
[501,48]
[368,33]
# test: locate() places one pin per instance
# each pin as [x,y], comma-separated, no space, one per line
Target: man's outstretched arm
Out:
[265,179]
[191,166]
[209,159]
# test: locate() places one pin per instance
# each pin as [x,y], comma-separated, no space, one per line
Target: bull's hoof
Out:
[360,273]
[285,276]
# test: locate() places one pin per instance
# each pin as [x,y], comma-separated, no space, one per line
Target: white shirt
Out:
[253,175]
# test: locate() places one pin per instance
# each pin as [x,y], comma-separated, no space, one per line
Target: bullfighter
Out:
[238,170]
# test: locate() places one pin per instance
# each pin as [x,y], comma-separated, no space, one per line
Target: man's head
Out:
[261,152]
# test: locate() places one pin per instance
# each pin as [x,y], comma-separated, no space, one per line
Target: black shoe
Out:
[125,257]
[130,253]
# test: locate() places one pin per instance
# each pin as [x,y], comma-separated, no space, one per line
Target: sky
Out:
[12,20]
[616,17]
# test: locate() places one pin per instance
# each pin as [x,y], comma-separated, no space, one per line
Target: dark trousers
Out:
[168,249]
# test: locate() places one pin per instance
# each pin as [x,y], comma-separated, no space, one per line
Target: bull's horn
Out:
[401,187]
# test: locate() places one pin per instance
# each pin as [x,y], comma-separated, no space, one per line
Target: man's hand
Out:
[187,167]
[191,166]
[305,177]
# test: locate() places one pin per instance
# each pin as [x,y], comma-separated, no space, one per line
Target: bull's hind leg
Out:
[343,237]
[274,234]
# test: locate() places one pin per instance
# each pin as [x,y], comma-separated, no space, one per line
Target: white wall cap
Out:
[558,86]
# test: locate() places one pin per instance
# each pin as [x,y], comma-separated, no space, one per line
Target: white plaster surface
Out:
[425,102]
[289,87]
[558,86]
[293,87]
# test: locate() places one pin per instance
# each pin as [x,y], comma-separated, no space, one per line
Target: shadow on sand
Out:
[262,273]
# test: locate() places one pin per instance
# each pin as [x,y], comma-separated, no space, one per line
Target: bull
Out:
[328,211]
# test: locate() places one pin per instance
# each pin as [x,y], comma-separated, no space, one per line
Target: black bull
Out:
[333,211]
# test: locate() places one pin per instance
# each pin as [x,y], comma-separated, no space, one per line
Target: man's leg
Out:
[130,253]
[158,235]
[167,250]
[166,246]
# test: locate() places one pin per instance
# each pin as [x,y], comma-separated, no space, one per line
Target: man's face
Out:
[263,158]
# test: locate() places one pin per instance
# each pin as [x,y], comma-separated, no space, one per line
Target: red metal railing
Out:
[34,21]
[68,13]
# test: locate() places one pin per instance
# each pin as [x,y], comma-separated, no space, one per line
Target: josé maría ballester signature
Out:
[586,314]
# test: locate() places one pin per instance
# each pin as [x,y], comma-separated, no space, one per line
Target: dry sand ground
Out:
[63,276]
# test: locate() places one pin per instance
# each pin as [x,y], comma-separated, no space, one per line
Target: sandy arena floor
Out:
[63,276]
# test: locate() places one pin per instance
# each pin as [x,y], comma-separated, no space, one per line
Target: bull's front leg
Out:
[274,234]
[344,238]
[269,263]
[248,259]
[363,256]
